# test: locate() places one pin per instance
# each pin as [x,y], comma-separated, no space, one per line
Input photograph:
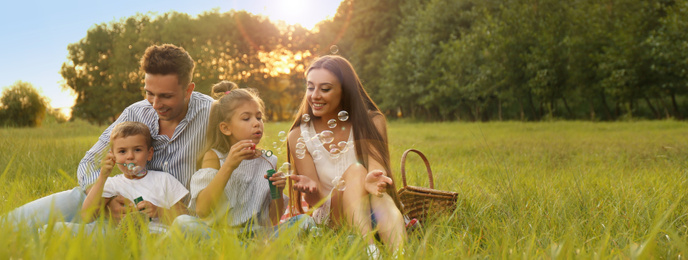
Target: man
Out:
[177,117]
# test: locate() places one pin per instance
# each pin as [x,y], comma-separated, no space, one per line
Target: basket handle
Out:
[425,160]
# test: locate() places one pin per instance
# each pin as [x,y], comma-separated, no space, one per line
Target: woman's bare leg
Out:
[390,221]
[353,206]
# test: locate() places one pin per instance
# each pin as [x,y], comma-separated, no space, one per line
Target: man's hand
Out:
[119,206]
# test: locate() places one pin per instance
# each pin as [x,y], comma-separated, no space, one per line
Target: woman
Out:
[346,175]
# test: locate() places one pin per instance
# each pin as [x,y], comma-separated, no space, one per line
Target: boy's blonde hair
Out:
[130,128]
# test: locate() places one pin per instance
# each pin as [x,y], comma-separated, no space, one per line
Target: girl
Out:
[230,187]
[359,167]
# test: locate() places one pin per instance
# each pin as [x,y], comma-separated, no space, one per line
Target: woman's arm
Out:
[377,179]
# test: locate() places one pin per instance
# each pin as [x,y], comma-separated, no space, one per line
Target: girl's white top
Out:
[328,168]
[246,195]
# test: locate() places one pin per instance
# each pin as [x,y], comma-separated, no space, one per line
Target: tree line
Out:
[425,59]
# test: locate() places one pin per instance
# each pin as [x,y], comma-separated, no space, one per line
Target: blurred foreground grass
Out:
[546,190]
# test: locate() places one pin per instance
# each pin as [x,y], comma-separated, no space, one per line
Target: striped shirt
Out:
[246,194]
[176,155]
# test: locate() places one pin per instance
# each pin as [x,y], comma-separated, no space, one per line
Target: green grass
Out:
[526,190]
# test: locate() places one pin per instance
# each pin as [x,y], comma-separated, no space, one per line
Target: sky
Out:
[34,34]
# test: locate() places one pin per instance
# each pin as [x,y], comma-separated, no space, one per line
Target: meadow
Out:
[526,190]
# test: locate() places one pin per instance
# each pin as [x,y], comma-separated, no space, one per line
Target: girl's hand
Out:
[277,180]
[107,164]
[376,182]
[240,151]
[304,184]
[148,208]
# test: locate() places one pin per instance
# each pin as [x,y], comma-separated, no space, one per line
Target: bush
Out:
[21,105]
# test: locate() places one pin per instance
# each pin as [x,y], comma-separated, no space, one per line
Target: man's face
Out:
[167,97]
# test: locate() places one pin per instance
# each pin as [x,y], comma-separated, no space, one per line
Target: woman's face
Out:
[323,93]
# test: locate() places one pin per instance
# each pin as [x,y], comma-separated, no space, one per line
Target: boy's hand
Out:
[107,164]
[239,152]
[119,206]
[148,208]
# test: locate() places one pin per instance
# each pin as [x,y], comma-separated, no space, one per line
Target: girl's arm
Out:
[209,197]
[307,180]
[94,201]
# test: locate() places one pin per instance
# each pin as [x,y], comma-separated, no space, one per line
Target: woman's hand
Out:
[148,208]
[304,184]
[240,151]
[376,182]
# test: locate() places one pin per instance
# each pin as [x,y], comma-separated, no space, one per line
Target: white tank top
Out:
[326,167]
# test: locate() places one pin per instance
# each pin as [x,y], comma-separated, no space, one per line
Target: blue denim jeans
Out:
[61,206]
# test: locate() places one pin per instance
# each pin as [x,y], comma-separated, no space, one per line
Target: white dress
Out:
[327,167]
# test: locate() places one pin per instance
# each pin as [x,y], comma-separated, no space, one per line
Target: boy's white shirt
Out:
[159,188]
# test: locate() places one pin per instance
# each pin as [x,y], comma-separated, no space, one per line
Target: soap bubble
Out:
[279,150]
[306,135]
[300,151]
[332,123]
[342,145]
[300,156]
[305,118]
[339,183]
[326,137]
[315,232]
[317,155]
[334,49]
[274,145]
[343,115]
[335,153]
[133,169]
[282,136]
[300,145]
[300,140]
[285,169]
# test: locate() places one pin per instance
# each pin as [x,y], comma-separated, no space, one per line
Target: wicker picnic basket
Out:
[420,202]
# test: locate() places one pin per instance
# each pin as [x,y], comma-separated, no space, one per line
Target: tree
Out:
[21,105]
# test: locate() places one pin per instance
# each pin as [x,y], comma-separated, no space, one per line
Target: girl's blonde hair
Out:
[228,96]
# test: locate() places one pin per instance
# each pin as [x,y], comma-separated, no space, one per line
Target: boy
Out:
[131,149]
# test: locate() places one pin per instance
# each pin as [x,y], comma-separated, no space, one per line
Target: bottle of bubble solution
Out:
[274,193]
